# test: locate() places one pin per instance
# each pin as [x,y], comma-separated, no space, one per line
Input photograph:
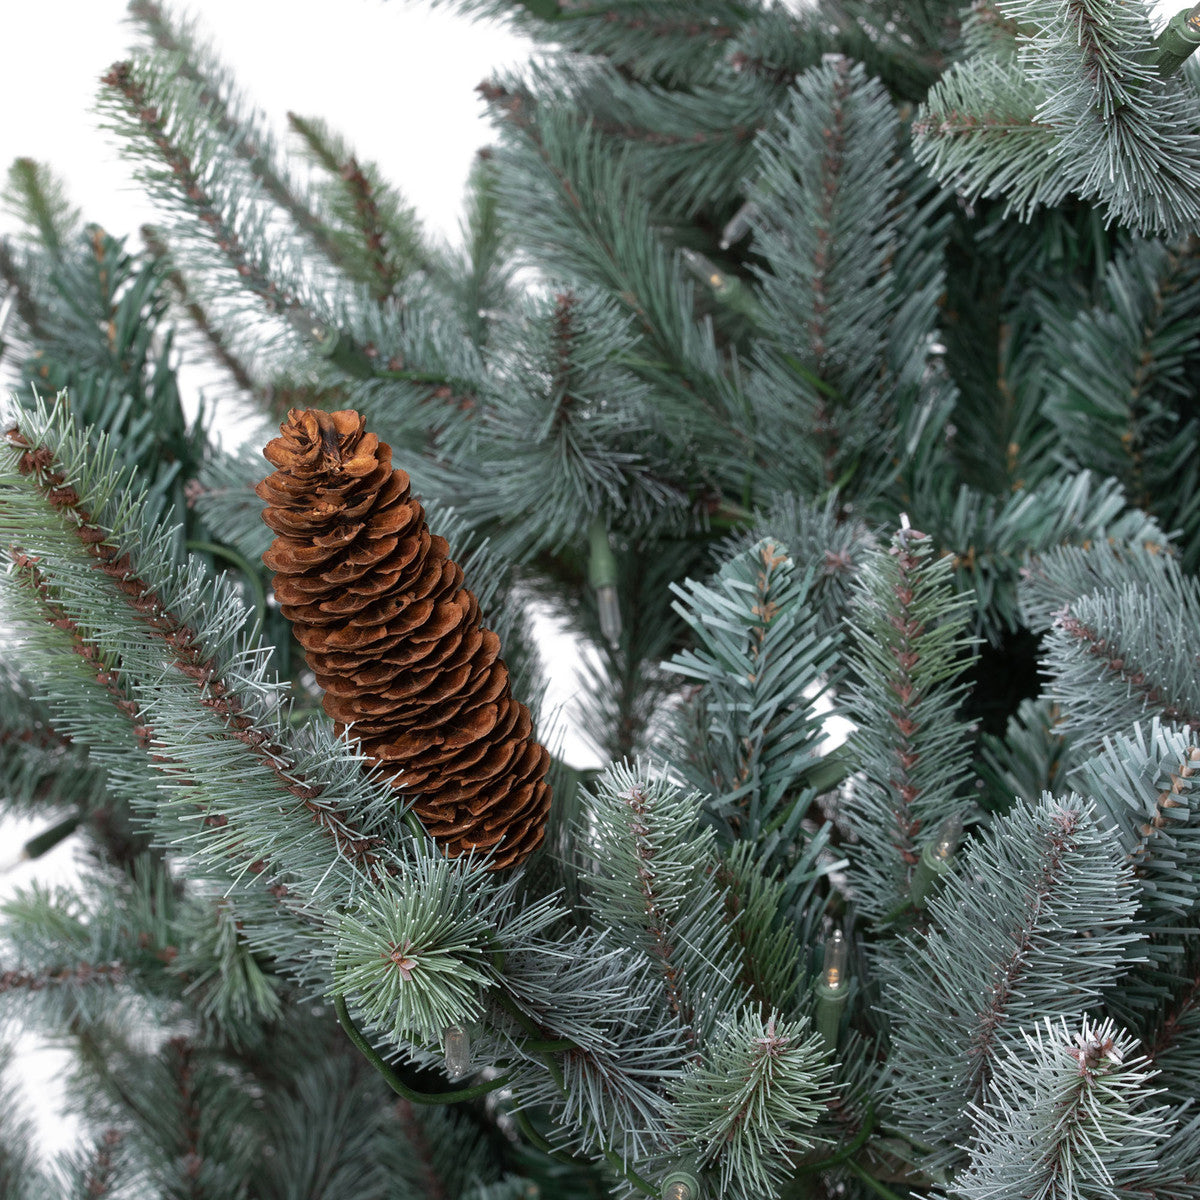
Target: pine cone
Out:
[395,640]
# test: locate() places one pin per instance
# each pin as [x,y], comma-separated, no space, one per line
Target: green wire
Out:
[537,1141]
[613,1159]
[848,1151]
[878,1188]
[544,1049]
[393,1080]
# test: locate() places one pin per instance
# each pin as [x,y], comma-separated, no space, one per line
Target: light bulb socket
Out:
[45,841]
[1177,42]
[831,1003]
[680,1185]
[343,351]
[602,563]
[935,861]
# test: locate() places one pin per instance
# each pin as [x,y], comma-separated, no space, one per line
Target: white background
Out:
[395,78]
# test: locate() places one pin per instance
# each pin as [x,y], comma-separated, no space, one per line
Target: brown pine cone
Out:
[395,640]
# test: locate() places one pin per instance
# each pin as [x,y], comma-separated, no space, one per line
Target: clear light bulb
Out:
[10,862]
[456,1045]
[603,576]
[680,1185]
[6,311]
[739,224]
[608,608]
[837,954]
[704,268]
[949,835]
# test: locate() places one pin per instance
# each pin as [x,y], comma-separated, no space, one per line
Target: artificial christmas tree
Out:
[852,377]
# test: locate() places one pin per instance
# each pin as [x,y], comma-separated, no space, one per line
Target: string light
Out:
[680,1185]
[1178,41]
[833,989]
[342,350]
[43,842]
[603,576]
[456,1045]
[836,953]
[935,859]
[732,293]
[739,224]
[705,269]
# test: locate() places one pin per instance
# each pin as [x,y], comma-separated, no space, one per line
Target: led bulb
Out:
[836,955]
[705,269]
[680,1185]
[603,576]
[456,1044]
[608,608]
[949,835]
[739,224]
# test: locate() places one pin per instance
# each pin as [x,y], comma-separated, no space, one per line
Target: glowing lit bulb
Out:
[724,286]
[832,992]
[456,1045]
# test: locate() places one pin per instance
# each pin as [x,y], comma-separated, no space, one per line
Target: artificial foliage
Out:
[827,373]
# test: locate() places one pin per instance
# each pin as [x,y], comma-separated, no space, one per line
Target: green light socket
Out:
[1177,42]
